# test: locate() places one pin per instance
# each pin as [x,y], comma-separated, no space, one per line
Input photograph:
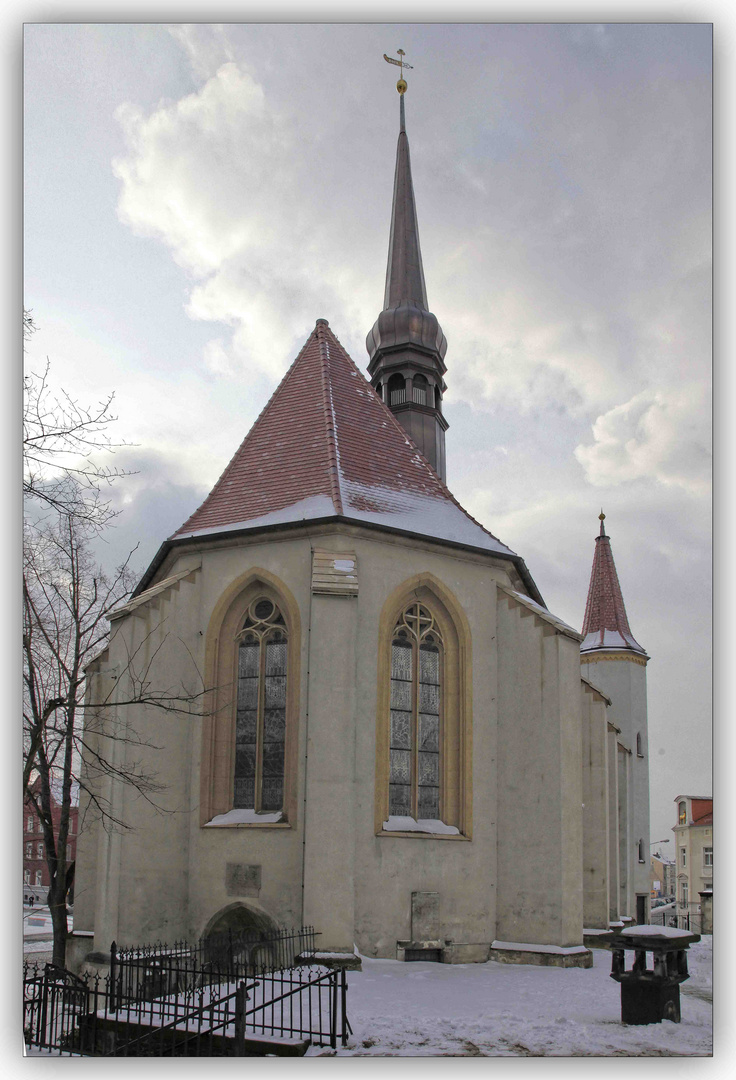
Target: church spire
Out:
[406,346]
[404,273]
[605,625]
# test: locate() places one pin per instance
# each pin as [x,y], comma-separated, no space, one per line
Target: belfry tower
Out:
[614,661]
[406,346]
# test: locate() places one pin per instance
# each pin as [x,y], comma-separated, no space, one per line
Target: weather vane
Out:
[400,63]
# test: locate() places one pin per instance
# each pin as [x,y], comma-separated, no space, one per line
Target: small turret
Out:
[605,625]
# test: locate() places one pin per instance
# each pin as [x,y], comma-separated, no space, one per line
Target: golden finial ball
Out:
[401,86]
[601,516]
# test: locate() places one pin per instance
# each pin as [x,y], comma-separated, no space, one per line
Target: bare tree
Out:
[61,442]
[71,739]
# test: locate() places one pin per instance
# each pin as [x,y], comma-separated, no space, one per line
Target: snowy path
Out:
[424,1009]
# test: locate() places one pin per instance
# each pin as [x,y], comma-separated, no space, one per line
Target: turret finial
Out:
[400,63]
[602,518]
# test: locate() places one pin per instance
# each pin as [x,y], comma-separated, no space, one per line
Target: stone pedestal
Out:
[650,995]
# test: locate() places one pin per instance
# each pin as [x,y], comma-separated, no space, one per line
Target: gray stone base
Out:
[507,954]
[416,948]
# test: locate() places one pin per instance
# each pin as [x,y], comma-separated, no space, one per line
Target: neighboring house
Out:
[35,869]
[694,850]
[663,876]
[397,745]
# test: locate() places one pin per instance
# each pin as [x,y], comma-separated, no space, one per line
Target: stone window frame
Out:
[456,796]
[218,724]
[708,862]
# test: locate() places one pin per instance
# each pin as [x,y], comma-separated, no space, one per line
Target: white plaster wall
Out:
[166,877]
[625,683]
[539,782]
[595,810]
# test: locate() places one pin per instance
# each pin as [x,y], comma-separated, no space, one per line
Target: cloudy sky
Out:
[196,196]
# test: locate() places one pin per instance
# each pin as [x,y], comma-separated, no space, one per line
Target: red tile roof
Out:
[605,625]
[326,445]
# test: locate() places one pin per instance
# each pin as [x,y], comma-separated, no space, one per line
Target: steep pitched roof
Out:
[606,626]
[325,446]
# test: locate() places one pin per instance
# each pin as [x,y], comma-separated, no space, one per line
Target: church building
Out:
[397,744]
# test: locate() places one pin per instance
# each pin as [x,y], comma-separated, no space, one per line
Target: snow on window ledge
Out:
[422,825]
[246,817]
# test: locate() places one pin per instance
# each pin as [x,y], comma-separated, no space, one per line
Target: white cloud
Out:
[206,45]
[662,435]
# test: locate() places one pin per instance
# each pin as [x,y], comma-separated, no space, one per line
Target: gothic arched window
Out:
[416,715]
[260,723]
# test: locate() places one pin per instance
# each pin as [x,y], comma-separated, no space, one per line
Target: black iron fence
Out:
[152,971]
[671,915]
[191,1000]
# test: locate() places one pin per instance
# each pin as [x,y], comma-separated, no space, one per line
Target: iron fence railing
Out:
[214,998]
[148,971]
[672,916]
[280,1010]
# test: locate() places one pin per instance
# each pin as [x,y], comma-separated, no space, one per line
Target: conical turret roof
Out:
[325,447]
[606,626]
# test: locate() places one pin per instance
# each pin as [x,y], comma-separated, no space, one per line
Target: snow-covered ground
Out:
[509,1010]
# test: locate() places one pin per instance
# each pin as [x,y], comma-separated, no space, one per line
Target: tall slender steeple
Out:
[406,346]
[606,626]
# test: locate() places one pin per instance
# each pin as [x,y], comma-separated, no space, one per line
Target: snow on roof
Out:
[597,689]
[605,624]
[542,612]
[149,594]
[326,446]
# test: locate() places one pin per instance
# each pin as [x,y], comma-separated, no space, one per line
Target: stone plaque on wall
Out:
[242,879]
[425,916]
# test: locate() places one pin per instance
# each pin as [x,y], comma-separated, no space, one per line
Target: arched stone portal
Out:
[239,918]
[241,937]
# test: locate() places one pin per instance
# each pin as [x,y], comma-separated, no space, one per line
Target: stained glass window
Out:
[260,723]
[416,698]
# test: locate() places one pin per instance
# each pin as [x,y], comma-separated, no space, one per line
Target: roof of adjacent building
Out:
[606,626]
[701,809]
[326,447]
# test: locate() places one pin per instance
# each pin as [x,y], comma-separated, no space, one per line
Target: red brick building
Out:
[35,870]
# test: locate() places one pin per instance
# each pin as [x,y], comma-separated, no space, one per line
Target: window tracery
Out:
[260,725]
[416,715]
